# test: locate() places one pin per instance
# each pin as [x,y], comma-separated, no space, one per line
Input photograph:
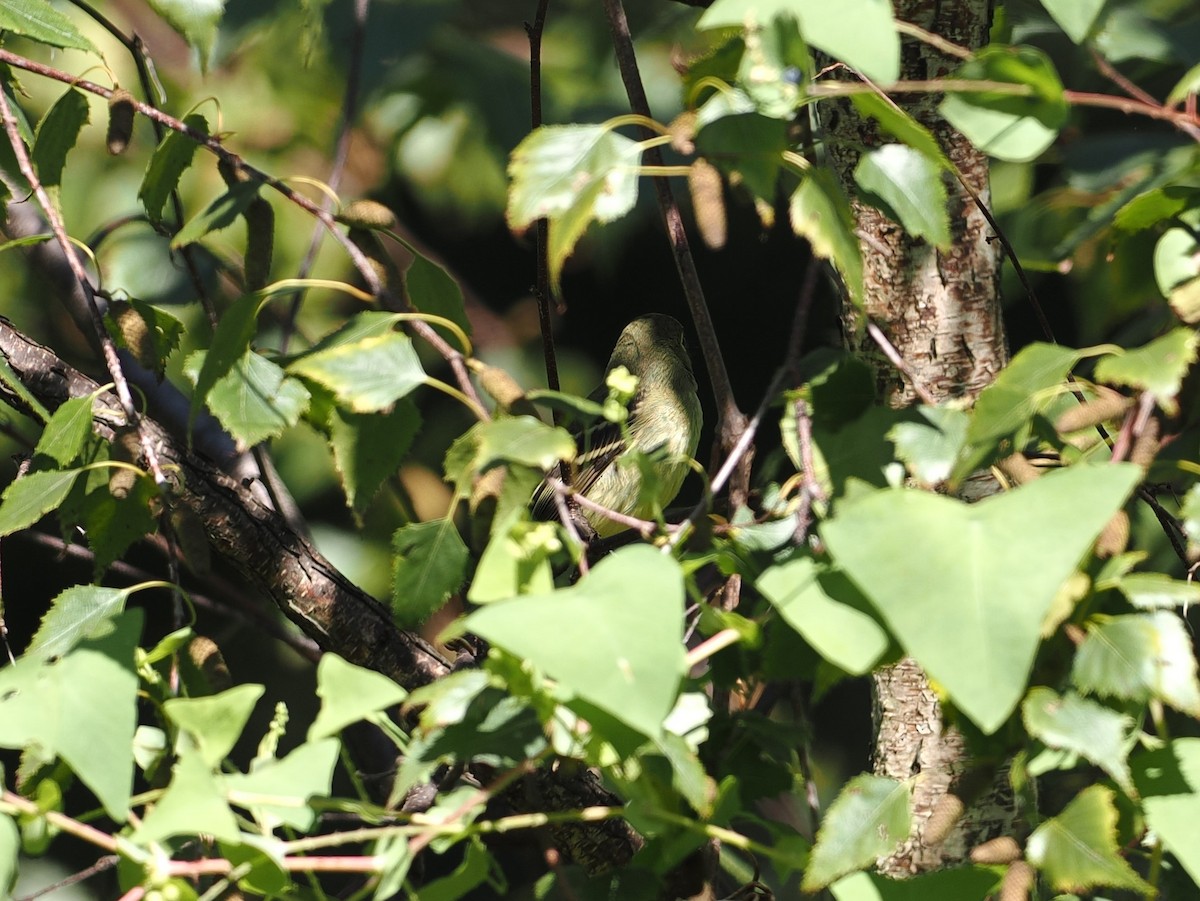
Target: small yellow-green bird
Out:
[664,420]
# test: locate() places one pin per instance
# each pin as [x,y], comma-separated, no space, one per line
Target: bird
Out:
[664,423]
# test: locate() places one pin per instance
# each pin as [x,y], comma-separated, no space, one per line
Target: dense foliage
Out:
[244,390]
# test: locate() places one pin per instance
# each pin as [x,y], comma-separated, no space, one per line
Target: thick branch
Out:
[309,590]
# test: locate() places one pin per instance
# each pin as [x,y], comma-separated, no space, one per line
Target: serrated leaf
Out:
[965,587]
[1168,779]
[81,707]
[367,448]
[170,160]
[571,175]
[219,214]
[868,819]
[348,694]
[66,434]
[1158,367]
[859,32]
[430,563]
[1083,727]
[195,20]
[1148,591]
[908,188]
[230,341]
[255,400]
[32,496]
[842,635]
[1077,850]
[113,524]
[39,21]
[434,290]
[820,212]
[368,375]
[617,648]
[80,612]
[1008,126]
[1019,391]
[1140,656]
[213,724]
[524,440]
[1076,17]
[56,135]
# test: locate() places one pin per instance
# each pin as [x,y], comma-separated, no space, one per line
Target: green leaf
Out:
[1158,367]
[1177,252]
[367,448]
[32,496]
[255,400]
[748,144]
[515,561]
[113,524]
[858,32]
[348,694]
[193,803]
[1077,850]
[170,160]
[614,638]
[930,444]
[1140,656]
[81,707]
[39,21]
[959,884]
[57,133]
[67,432]
[999,564]
[369,375]
[195,20]
[1151,208]
[1006,125]
[524,440]
[1189,84]
[1083,727]
[1149,591]
[430,564]
[908,188]
[1168,779]
[219,214]
[571,175]
[900,125]
[230,341]
[472,872]
[304,773]
[841,634]
[1076,17]
[213,724]
[820,212]
[1019,391]
[10,847]
[432,289]
[162,334]
[868,819]
[79,613]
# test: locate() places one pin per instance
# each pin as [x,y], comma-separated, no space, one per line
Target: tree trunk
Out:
[941,311]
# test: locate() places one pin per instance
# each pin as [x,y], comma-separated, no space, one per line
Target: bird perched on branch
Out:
[663,427]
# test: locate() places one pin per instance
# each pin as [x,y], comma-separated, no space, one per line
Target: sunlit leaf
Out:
[39,21]
[196,20]
[965,587]
[1077,850]
[906,186]
[255,400]
[1158,367]
[170,160]
[868,819]
[821,213]
[1168,779]
[429,564]
[368,375]
[32,496]
[57,133]
[1071,723]
[348,694]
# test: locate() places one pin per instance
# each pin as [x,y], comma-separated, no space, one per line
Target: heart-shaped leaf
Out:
[615,639]
[965,587]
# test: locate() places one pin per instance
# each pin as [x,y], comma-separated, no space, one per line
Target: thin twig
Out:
[214,146]
[1109,71]
[889,351]
[362,9]
[936,41]
[107,348]
[104,863]
[141,61]
[731,422]
[643,526]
